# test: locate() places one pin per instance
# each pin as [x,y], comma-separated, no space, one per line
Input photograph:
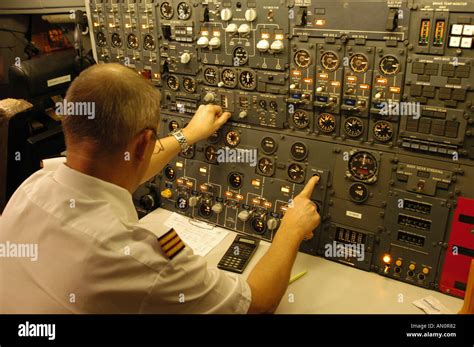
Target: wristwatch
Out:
[179,136]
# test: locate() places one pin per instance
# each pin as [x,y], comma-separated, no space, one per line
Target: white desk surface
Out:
[330,287]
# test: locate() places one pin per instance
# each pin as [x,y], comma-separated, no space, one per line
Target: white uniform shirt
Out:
[94,257]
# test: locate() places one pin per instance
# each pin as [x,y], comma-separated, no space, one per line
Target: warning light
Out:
[256,201]
[323,76]
[265,35]
[189,184]
[387,259]
[320,22]
[279,37]
[228,194]
[256,183]
[179,164]
[239,197]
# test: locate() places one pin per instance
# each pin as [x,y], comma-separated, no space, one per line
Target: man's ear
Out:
[143,140]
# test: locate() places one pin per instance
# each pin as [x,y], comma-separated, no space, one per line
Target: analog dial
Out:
[353,127]
[299,151]
[302,58]
[166,10]
[170,173]
[101,39]
[189,85]
[300,119]
[326,122]
[389,65]
[211,154]
[235,180]
[232,138]
[363,166]
[173,125]
[269,145]
[241,56]
[116,40]
[330,61]
[358,192]
[173,82]
[229,77]
[132,41]
[248,80]
[296,173]
[210,75]
[184,11]
[149,42]
[359,63]
[383,130]
[266,166]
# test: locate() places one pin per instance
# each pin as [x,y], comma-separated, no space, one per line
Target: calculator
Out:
[239,253]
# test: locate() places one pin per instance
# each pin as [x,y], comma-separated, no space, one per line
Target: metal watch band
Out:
[179,136]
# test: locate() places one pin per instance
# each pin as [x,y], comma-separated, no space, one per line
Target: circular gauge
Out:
[116,40]
[132,41]
[389,65]
[210,75]
[188,153]
[235,180]
[383,130]
[262,104]
[184,11]
[266,166]
[101,39]
[330,61]
[359,63]
[232,138]
[269,145]
[170,173]
[300,119]
[302,58]
[229,78]
[258,225]
[299,151]
[363,166]
[173,82]
[173,125]
[182,203]
[353,127]
[166,10]
[211,154]
[358,192]
[296,173]
[205,210]
[248,80]
[241,56]
[148,42]
[214,138]
[274,106]
[326,122]
[189,85]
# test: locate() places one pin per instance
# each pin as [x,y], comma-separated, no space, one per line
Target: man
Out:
[93,256]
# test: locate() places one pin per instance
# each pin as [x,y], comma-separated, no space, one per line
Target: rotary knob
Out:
[226,14]
[166,193]
[250,15]
[244,215]
[272,223]
[193,201]
[217,208]
[378,95]
[242,114]
[148,201]
[244,29]
[215,42]
[320,89]
[263,45]
[209,97]
[185,58]
[231,28]
[277,46]
[203,42]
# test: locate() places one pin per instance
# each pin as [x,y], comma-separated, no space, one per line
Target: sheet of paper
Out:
[431,305]
[200,236]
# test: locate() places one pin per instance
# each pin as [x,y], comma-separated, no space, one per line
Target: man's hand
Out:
[205,122]
[302,216]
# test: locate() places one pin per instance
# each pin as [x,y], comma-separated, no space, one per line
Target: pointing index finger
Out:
[309,187]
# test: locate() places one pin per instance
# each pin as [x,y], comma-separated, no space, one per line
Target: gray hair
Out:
[124,104]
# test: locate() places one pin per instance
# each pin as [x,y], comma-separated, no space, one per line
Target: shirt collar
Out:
[119,198]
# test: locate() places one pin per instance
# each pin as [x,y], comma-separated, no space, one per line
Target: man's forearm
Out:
[165,150]
[269,278]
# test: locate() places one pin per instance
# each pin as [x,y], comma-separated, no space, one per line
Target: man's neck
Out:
[103,168]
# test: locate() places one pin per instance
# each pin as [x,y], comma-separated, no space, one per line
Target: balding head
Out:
[124,104]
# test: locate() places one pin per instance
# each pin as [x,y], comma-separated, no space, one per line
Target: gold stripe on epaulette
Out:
[171,244]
